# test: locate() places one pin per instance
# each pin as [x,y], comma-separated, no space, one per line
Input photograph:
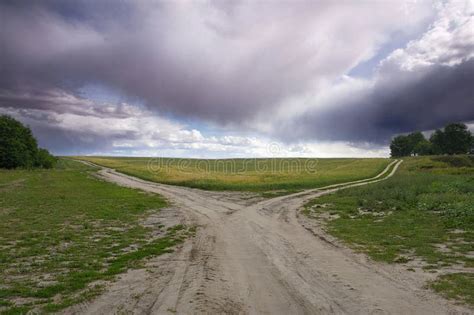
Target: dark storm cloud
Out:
[225,62]
[60,101]
[398,103]
[217,62]
[70,142]
[74,134]
[62,44]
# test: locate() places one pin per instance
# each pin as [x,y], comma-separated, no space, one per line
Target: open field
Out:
[66,233]
[63,233]
[252,255]
[274,176]
[425,212]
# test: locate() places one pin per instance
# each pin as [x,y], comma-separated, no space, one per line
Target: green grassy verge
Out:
[426,210]
[272,177]
[62,232]
[458,286]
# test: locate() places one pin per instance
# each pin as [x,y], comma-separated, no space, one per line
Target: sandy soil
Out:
[254,256]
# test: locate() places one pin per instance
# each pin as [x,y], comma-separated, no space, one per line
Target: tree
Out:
[423,147]
[418,143]
[414,143]
[17,144]
[415,138]
[18,147]
[44,159]
[457,139]
[454,139]
[471,151]
[400,146]
[437,142]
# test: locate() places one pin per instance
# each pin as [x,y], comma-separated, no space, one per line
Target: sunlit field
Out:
[277,175]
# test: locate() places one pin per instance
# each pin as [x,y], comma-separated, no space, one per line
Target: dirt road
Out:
[253,256]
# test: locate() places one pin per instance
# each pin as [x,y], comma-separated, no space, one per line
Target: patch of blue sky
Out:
[399,39]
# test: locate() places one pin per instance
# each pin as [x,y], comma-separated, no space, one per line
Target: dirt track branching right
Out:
[425,211]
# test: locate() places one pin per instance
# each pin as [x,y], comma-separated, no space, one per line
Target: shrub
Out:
[44,159]
[18,147]
[456,161]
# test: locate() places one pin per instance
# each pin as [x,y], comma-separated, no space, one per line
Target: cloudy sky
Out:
[235,78]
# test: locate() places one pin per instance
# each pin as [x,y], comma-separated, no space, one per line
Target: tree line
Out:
[18,147]
[454,138]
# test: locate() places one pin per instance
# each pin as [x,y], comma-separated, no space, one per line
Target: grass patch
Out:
[62,230]
[458,286]
[456,161]
[272,176]
[425,210]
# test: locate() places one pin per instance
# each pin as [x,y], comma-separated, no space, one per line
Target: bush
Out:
[44,159]
[456,161]
[18,147]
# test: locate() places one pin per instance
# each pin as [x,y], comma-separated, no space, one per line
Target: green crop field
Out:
[62,230]
[277,175]
[426,210]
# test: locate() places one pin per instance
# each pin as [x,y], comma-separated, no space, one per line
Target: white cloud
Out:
[448,42]
[146,134]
